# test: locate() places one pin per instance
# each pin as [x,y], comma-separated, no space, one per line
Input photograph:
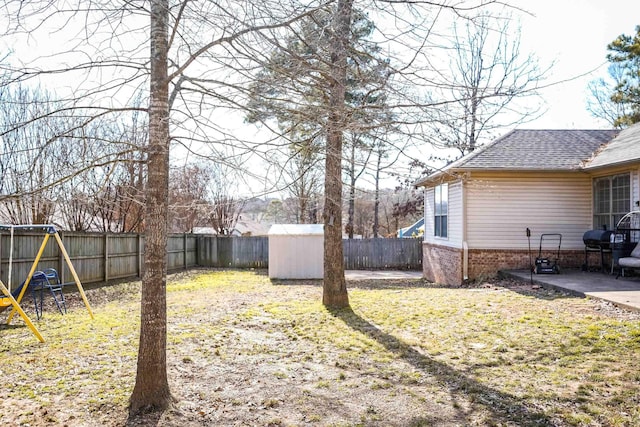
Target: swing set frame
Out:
[48,230]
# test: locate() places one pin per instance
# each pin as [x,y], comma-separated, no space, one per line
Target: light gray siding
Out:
[429,209]
[454,217]
[635,189]
[501,206]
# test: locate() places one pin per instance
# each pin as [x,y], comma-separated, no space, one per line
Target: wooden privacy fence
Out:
[359,254]
[375,254]
[100,257]
[96,257]
[237,252]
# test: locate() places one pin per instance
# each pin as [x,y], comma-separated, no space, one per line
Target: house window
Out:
[441,210]
[611,200]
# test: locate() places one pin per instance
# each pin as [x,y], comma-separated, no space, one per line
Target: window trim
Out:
[611,213]
[440,211]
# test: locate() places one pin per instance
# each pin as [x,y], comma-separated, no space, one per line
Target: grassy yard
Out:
[246,351]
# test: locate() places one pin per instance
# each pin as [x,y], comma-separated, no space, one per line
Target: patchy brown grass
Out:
[246,351]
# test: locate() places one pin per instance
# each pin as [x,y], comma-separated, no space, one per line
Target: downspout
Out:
[424,212]
[465,247]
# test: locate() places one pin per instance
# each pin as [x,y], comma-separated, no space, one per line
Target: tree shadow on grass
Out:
[366,284]
[390,284]
[539,291]
[503,407]
[297,282]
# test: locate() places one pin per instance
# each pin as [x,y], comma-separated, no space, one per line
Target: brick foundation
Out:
[442,264]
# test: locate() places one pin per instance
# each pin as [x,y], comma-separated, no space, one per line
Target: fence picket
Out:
[97,256]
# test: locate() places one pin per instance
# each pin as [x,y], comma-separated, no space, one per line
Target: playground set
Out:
[38,282]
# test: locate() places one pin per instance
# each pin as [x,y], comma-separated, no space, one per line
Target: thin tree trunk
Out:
[474,121]
[302,201]
[352,191]
[334,286]
[151,390]
[376,204]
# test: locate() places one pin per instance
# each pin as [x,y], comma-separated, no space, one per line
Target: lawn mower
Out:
[546,265]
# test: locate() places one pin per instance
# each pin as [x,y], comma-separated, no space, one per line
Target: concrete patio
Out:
[623,292]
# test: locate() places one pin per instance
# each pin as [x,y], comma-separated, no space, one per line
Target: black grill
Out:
[596,241]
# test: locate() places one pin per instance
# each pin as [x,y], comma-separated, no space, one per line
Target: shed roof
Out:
[296,230]
[623,148]
[532,150]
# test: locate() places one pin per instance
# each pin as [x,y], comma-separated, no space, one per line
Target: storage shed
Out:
[296,251]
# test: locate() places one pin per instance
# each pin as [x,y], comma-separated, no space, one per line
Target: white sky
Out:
[574,34]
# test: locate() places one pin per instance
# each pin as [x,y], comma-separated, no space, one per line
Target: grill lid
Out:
[597,238]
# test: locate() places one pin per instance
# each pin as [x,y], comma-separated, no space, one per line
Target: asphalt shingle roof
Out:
[545,150]
[523,149]
[624,148]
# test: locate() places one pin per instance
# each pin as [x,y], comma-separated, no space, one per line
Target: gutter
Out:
[621,164]
[456,172]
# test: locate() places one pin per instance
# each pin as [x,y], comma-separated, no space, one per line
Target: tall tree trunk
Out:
[151,390]
[334,285]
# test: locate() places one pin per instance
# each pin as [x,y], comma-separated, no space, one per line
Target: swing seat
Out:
[7,300]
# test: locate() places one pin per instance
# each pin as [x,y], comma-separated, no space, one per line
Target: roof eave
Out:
[611,165]
[437,177]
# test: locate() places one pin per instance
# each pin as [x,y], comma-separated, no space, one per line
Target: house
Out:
[414,230]
[243,227]
[478,208]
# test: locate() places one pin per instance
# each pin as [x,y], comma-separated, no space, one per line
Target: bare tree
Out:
[188,206]
[151,389]
[77,209]
[488,81]
[381,154]
[357,159]
[225,213]
[30,155]
[304,175]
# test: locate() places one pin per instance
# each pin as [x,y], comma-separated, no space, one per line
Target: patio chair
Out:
[630,262]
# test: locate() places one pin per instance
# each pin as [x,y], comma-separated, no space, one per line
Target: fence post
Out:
[197,239]
[184,250]
[106,257]
[139,254]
